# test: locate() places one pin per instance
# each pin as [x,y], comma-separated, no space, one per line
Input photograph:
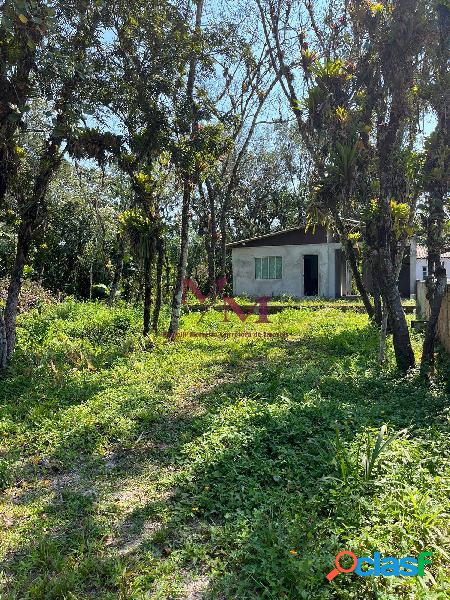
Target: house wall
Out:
[291,283]
[422,262]
[244,282]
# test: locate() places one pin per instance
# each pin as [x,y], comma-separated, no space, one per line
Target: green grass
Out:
[230,468]
[289,301]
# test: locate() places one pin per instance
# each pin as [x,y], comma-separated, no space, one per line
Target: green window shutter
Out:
[279,267]
[272,263]
[258,268]
[265,267]
[269,267]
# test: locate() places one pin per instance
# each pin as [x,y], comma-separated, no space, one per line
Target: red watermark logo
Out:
[229,303]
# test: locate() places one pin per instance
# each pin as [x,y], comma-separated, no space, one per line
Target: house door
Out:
[311,274]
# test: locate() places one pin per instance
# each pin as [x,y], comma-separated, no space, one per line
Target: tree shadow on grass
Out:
[59,547]
[243,482]
[263,480]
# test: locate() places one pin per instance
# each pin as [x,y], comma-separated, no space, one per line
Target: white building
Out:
[300,263]
[422,263]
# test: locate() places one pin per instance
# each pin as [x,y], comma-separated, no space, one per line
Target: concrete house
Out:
[301,263]
[422,263]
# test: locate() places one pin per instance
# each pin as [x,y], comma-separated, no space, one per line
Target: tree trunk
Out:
[15,83]
[91,279]
[437,276]
[159,273]
[223,243]
[377,302]
[388,261]
[117,272]
[147,292]
[385,329]
[437,166]
[383,334]
[182,262]
[187,188]
[353,262]
[391,296]
[49,162]
[32,207]
[435,308]
[211,243]
[167,275]
[3,344]
[15,284]
[228,193]
[378,309]
[210,257]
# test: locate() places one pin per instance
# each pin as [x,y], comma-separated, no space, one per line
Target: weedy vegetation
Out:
[217,467]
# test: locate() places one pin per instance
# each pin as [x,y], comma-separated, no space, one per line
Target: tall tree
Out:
[244,82]
[59,73]
[138,79]
[353,110]
[437,172]
[188,129]
[22,28]
[321,90]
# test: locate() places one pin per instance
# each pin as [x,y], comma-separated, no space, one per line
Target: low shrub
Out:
[32,295]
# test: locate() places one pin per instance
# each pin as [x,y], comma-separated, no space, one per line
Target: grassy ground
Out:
[286,300]
[215,468]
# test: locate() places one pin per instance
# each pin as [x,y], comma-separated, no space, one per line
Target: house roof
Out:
[287,237]
[302,235]
[422,252]
[261,237]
